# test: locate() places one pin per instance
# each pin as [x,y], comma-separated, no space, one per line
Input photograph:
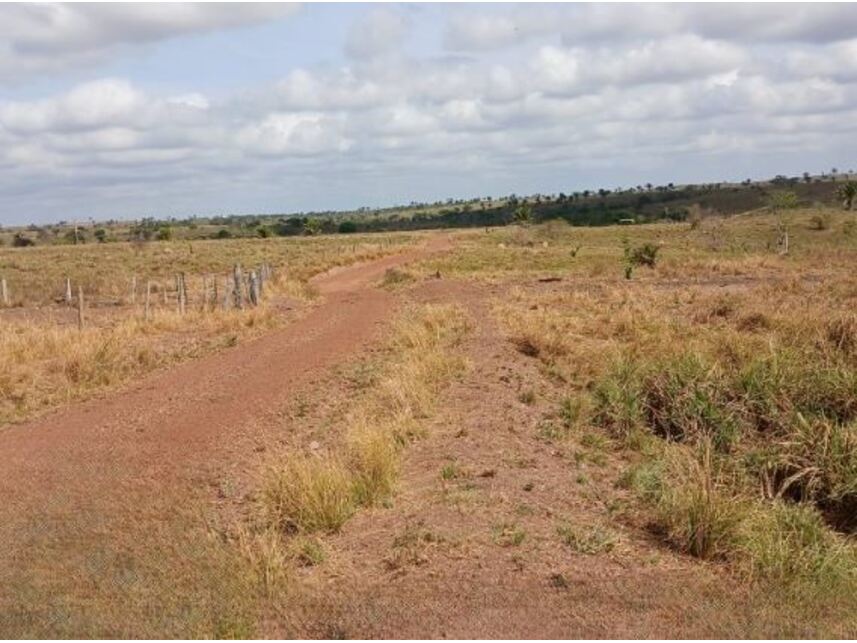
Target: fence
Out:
[240,289]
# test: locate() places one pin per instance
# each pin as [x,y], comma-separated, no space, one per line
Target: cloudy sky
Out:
[169,110]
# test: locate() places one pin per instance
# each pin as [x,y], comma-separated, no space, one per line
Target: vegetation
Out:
[48,361]
[317,493]
[727,375]
[637,204]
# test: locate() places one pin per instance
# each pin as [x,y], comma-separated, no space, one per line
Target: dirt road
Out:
[123,466]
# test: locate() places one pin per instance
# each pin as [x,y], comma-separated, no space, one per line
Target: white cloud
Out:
[594,89]
[48,37]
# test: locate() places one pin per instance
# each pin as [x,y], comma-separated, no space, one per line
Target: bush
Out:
[164,233]
[644,255]
[347,227]
[223,233]
[22,241]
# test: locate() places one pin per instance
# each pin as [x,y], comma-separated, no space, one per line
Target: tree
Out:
[523,214]
[783,200]
[312,226]
[100,235]
[347,227]
[847,192]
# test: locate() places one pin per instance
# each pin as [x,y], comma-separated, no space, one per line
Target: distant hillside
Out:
[640,204]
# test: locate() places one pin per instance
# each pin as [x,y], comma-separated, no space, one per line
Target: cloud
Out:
[49,37]
[584,94]
[478,30]
[379,32]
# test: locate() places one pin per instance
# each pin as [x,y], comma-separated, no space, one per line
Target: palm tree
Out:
[847,192]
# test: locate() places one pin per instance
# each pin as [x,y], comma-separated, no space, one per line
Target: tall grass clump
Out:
[307,493]
[687,399]
[317,493]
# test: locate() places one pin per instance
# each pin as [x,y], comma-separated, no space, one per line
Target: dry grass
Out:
[316,493]
[727,372]
[48,365]
[37,275]
[48,362]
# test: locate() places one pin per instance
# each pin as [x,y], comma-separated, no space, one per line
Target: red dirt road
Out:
[68,481]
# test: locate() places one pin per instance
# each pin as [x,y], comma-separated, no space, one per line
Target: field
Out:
[522,431]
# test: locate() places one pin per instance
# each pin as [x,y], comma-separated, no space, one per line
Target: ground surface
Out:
[111,509]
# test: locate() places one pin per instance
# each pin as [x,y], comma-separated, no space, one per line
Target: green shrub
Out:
[644,255]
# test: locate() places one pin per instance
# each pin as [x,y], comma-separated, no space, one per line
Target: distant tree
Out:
[223,233]
[312,226]
[263,231]
[806,177]
[100,235]
[847,193]
[347,227]
[523,214]
[783,200]
[165,233]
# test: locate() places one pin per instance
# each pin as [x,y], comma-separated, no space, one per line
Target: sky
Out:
[124,111]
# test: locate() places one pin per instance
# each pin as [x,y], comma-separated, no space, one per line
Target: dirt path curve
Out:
[68,480]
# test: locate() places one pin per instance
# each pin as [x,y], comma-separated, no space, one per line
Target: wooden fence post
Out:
[4,292]
[67,291]
[214,294]
[227,293]
[148,297]
[254,289]
[237,296]
[80,319]
[182,294]
[133,290]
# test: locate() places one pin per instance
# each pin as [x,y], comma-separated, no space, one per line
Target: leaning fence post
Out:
[133,290]
[148,297]
[67,291]
[227,293]
[4,292]
[237,295]
[80,320]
